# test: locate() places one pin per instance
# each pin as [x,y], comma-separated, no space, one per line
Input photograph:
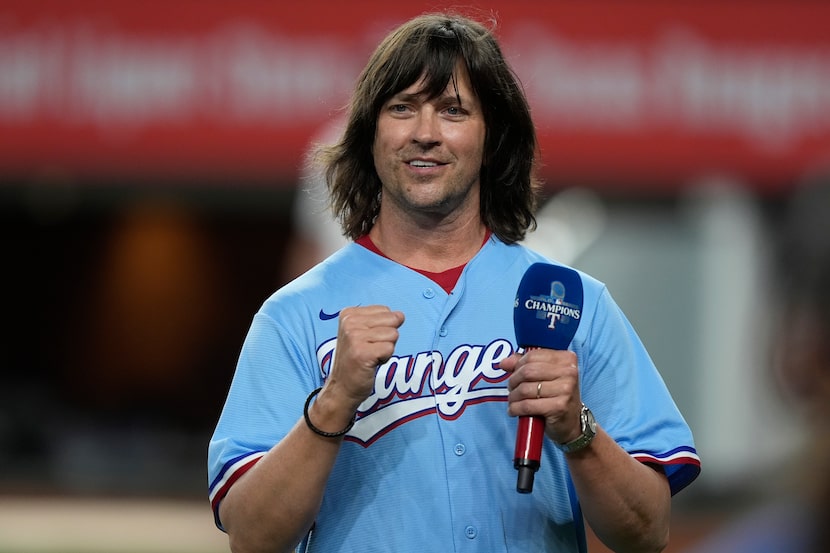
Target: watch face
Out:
[589,430]
[592,423]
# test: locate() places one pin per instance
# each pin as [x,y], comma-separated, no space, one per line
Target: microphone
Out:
[546,314]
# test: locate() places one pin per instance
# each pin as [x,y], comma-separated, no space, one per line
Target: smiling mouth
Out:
[422,163]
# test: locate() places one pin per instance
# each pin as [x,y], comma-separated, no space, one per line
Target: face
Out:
[428,153]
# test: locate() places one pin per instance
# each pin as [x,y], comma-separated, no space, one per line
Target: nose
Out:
[426,129]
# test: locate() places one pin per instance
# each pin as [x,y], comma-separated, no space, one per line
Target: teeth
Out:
[420,163]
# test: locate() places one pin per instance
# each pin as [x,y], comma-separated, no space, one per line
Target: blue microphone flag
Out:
[548,306]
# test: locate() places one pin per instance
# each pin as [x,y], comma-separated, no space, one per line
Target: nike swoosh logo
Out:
[327,317]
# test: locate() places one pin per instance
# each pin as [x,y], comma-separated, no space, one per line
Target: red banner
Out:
[630,92]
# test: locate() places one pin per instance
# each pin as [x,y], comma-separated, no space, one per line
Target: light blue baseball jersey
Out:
[428,466]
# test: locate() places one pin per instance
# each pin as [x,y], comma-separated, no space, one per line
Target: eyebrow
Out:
[407,96]
[444,97]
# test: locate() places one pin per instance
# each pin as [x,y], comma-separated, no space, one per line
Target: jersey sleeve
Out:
[262,404]
[629,398]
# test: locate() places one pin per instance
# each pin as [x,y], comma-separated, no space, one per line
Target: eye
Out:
[455,111]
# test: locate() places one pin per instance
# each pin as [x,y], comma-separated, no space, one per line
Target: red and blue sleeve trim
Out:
[682,465]
[229,474]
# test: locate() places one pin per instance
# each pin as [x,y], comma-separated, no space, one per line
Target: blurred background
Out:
[152,195]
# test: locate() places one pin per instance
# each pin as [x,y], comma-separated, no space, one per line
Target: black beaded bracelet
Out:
[317,430]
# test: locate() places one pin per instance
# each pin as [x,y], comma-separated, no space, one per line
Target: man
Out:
[401,440]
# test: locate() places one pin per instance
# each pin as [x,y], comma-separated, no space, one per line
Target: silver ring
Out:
[538,390]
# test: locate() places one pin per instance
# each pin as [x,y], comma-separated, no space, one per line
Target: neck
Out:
[432,248]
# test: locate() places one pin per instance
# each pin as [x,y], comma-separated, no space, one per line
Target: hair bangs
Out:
[431,55]
[440,53]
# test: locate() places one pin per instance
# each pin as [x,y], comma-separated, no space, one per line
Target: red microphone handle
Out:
[529,438]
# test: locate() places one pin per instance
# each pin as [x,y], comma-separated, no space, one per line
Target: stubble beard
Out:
[435,208]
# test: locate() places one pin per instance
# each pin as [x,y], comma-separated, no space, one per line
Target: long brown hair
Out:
[432,45]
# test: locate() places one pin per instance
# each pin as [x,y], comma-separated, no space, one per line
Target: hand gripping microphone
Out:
[546,314]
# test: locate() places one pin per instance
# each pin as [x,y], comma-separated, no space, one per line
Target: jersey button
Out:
[429,293]
[470,532]
[443,332]
[460,449]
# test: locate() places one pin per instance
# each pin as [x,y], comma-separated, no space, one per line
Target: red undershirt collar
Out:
[445,279]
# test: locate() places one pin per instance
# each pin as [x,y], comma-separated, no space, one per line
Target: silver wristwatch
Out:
[589,430]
